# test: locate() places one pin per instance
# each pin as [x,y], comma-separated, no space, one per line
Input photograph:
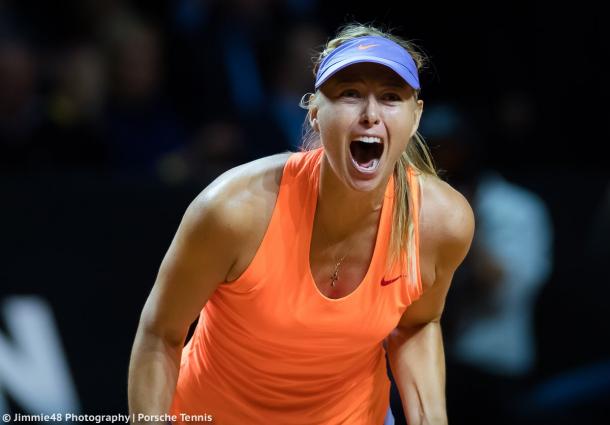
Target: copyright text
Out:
[104,419]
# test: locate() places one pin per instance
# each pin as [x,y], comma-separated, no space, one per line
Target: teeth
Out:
[368,139]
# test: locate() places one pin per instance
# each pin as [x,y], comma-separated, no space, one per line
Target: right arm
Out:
[197,261]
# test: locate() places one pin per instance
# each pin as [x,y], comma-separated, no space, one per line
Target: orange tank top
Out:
[270,348]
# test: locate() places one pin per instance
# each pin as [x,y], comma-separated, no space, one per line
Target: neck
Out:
[341,211]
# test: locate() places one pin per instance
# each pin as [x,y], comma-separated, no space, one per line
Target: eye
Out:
[350,93]
[391,97]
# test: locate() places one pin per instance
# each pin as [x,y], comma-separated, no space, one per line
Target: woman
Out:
[302,265]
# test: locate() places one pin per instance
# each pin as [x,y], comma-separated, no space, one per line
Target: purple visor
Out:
[373,49]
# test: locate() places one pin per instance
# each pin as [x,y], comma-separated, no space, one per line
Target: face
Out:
[365,115]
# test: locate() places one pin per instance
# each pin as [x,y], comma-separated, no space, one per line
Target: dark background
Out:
[115,114]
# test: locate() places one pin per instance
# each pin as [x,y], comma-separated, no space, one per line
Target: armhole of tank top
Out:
[239,284]
[415,190]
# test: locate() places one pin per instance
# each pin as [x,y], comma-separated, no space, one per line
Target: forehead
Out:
[368,72]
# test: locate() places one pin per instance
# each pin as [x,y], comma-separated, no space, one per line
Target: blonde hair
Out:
[415,155]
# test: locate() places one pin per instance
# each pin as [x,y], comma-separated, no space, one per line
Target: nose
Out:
[370,112]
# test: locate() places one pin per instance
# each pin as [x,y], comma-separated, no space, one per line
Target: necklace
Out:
[335,276]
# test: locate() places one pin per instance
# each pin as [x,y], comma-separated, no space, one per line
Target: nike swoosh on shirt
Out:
[366,46]
[387,282]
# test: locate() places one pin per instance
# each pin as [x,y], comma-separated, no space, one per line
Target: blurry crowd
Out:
[179,91]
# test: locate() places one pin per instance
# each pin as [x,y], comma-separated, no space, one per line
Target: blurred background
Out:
[114,114]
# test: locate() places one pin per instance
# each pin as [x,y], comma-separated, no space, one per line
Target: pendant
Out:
[334,278]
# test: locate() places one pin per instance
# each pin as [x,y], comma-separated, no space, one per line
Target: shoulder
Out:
[241,194]
[447,222]
[209,241]
[446,229]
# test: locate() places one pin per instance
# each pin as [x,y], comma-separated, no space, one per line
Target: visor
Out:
[372,49]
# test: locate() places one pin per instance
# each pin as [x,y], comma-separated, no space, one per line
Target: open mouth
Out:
[366,153]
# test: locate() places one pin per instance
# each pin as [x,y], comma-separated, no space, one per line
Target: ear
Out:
[315,125]
[309,102]
[313,118]
[419,109]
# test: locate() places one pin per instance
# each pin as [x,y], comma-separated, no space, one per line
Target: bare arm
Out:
[199,258]
[415,347]
[228,218]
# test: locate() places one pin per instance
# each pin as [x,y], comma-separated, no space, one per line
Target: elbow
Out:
[169,339]
[151,328]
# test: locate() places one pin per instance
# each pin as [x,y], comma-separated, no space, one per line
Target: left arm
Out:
[415,347]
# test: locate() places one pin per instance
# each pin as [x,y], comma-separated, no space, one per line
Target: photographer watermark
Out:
[104,419]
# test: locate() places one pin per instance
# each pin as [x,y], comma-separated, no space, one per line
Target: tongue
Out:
[367,164]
